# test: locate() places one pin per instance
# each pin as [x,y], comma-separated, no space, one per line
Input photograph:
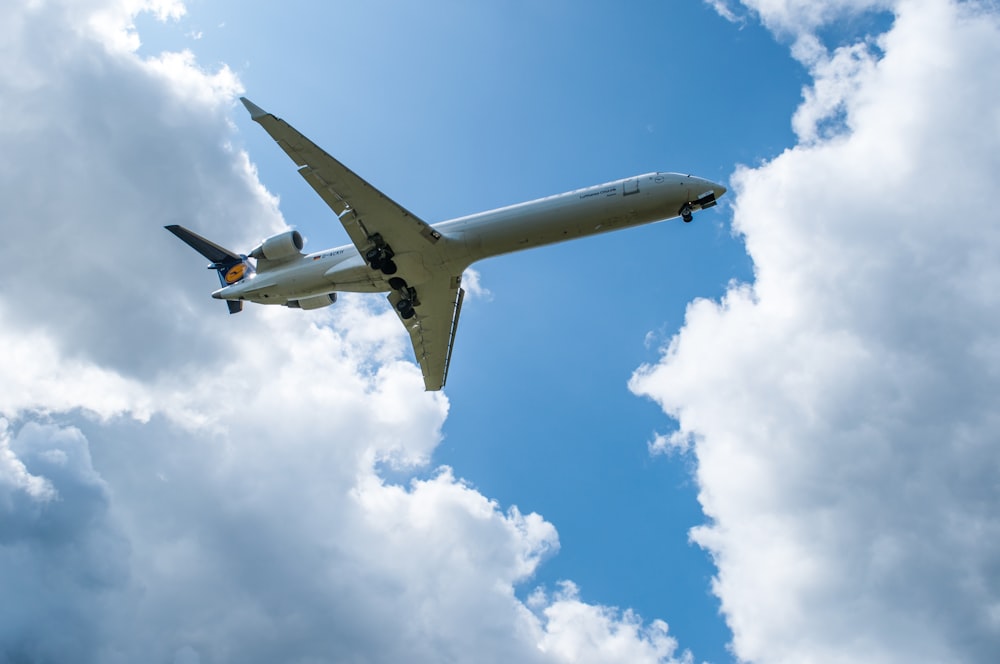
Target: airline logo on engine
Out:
[235,273]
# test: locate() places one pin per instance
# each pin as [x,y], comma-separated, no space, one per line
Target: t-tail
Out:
[232,267]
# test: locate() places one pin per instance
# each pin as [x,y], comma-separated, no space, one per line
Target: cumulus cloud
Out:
[583,633]
[63,561]
[179,485]
[843,408]
[472,283]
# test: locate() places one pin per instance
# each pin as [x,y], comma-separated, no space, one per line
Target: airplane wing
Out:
[363,209]
[432,329]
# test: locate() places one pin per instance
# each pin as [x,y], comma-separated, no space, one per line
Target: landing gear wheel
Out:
[397,283]
[379,256]
[405,309]
[685,213]
[687,218]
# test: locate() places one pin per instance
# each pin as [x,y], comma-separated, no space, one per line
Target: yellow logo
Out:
[235,273]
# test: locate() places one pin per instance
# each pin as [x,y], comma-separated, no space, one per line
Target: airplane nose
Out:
[710,189]
[707,196]
[704,186]
[714,187]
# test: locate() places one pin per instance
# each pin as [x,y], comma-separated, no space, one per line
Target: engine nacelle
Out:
[314,302]
[282,245]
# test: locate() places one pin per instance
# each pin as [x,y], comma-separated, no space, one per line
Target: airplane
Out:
[420,265]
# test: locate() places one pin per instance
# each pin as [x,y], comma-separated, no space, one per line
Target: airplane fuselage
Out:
[614,205]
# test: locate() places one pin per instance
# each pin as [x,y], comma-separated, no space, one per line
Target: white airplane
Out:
[420,265]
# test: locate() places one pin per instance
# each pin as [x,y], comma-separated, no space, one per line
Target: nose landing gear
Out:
[687,213]
[703,203]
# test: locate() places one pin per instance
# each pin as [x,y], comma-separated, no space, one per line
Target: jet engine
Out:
[282,245]
[314,302]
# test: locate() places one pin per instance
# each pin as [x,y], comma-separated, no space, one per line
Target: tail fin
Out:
[230,266]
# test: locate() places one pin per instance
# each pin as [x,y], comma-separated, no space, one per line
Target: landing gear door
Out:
[631,187]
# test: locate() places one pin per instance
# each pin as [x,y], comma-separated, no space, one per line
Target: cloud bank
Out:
[181,486]
[843,409]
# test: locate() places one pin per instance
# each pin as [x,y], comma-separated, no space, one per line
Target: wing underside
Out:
[361,208]
[432,329]
[375,222]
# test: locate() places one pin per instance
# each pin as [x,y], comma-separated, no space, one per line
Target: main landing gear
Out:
[407,298]
[379,256]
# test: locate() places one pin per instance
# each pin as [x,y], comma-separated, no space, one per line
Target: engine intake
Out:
[279,246]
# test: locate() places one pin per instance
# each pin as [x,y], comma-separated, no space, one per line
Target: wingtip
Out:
[256,111]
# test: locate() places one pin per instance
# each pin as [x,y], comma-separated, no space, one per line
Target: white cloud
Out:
[37,377]
[725,10]
[15,478]
[582,633]
[795,17]
[63,561]
[472,282]
[843,409]
[178,484]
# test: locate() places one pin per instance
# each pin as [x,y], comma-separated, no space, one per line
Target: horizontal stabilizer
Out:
[231,268]
[206,248]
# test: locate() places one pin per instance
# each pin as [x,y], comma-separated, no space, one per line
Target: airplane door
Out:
[631,186]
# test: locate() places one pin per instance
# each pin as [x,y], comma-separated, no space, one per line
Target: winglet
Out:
[256,112]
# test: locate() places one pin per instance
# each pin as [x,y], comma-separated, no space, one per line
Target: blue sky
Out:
[762,428]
